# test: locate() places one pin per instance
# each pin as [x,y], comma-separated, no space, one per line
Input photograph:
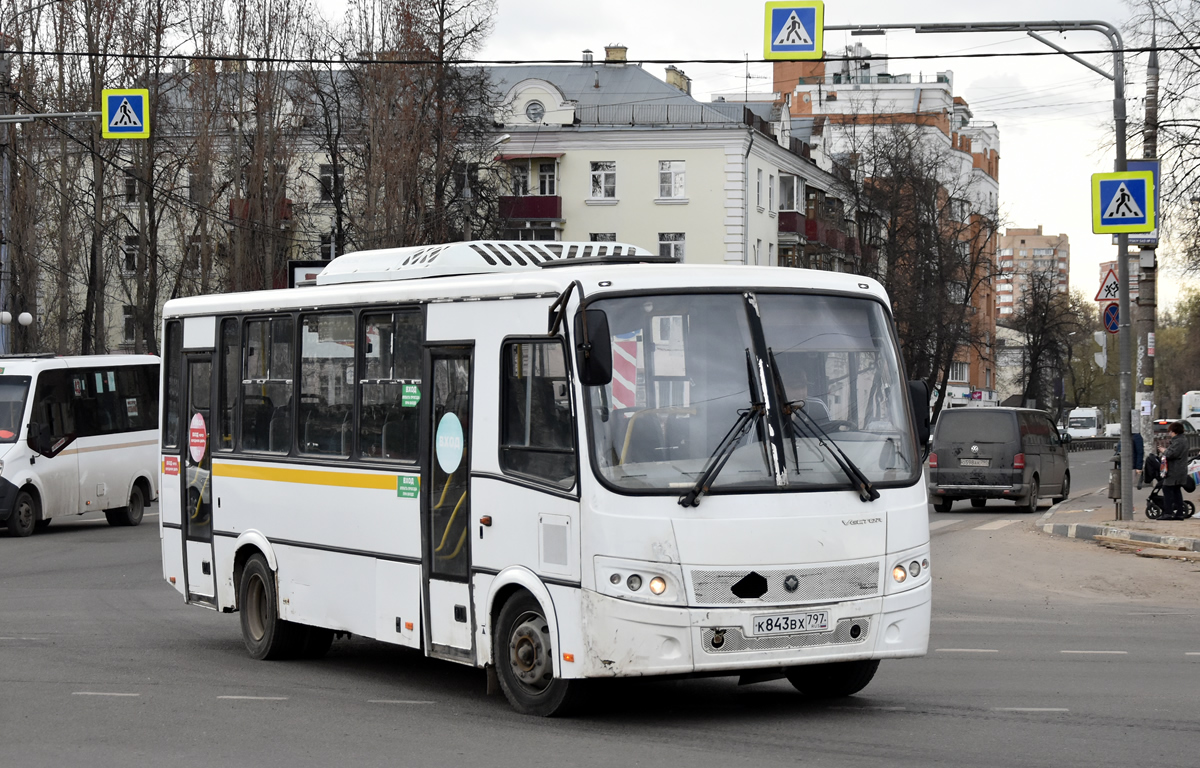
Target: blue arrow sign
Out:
[1112,318]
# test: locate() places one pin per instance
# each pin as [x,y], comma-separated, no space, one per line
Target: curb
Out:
[1092,530]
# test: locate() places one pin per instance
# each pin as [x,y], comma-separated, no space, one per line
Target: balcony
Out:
[531,207]
[240,209]
[792,221]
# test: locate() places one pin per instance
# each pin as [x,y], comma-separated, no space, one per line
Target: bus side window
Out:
[267,386]
[52,403]
[536,426]
[390,385]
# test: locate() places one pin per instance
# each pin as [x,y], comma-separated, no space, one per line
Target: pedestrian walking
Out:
[1174,458]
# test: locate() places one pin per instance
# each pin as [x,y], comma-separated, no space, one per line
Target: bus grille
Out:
[733,639]
[838,582]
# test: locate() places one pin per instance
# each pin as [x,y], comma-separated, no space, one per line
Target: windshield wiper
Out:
[716,462]
[808,426]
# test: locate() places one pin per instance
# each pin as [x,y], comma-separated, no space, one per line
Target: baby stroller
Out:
[1151,472]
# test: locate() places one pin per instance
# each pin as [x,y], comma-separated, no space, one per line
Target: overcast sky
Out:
[1054,115]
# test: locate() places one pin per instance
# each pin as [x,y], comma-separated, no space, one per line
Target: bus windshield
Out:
[13,390]
[1082,422]
[681,376]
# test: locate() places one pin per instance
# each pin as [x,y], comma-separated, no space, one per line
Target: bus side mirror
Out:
[918,395]
[593,347]
[38,438]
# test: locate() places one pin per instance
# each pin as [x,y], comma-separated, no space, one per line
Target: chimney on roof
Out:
[681,81]
[587,57]
[614,54]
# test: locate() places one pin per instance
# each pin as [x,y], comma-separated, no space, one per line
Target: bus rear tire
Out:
[26,514]
[131,515]
[523,652]
[832,681]
[265,634]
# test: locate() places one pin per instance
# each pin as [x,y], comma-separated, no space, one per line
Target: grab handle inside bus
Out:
[593,346]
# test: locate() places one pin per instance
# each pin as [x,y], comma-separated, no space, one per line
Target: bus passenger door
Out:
[196,486]
[447,506]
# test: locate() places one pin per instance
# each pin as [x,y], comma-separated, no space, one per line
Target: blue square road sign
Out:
[124,113]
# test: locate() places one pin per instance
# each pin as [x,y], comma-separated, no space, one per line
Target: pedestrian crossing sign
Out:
[1123,202]
[795,29]
[125,114]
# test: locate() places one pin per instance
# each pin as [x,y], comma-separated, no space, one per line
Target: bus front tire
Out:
[26,515]
[265,634]
[131,515]
[832,681]
[523,652]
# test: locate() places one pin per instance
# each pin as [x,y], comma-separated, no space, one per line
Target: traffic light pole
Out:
[1031,28]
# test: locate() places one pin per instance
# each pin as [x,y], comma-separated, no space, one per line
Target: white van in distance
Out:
[77,434]
[1085,422]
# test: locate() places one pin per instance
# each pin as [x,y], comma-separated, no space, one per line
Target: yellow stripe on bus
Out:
[306,476]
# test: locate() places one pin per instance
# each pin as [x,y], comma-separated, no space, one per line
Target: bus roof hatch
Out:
[473,258]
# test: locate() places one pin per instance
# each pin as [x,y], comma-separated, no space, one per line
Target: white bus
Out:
[545,460]
[1190,408]
[77,434]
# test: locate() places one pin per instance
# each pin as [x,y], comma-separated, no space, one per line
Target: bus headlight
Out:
[645,582]
[899,574]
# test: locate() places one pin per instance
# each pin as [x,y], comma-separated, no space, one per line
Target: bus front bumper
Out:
[634,639]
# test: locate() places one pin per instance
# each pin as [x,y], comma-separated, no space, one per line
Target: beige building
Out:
[1021,253]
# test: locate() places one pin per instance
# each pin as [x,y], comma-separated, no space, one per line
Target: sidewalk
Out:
[1092,514]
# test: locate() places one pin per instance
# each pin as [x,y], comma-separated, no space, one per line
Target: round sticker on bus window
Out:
[449,443]
[197,438]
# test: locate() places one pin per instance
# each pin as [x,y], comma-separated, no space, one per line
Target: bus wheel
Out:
[25,515]
[265,634]
[523,652]
[131,515]
[832,681]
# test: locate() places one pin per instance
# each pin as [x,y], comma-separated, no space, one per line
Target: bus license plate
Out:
[974,462]
[790,623]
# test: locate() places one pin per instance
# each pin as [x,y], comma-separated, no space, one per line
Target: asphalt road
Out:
[1045,652]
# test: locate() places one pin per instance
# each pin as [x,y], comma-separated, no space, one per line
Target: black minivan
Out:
[997,453]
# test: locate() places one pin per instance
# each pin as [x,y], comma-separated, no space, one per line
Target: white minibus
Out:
[553,461]
[77,435]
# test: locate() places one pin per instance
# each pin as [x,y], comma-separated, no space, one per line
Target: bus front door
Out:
[447,506]
[196,486]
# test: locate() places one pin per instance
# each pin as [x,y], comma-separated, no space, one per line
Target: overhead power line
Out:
[499,62]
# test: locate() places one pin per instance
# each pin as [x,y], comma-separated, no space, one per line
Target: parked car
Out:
[1189,433]
[1014,454]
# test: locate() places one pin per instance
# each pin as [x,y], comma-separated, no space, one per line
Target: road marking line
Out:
[942,524]
[1030,709]
[1099,653]
[397,701]
[967,650]
[995,525]
[102,693]
[1192,653]
[255,698]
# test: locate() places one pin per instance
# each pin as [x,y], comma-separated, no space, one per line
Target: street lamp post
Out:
[1031,28]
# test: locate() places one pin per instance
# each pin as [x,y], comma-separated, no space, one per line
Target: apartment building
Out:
[1023,253]
[843,98]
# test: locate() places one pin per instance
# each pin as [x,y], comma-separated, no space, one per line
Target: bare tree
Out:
[1043,317]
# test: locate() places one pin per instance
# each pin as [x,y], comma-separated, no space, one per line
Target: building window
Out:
[1005,298]
[330,185]
[327,251]
[129,328]
[129,252]
[535,111]
[670,178]
[1006,310]
[191,262]
[791,189]
[758,190]
[520,180]
[671,244]
[770,254]
[131,187]
[604,179]
[959,371]
[757,251]
[771,193]
[603,237]
[547,179]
